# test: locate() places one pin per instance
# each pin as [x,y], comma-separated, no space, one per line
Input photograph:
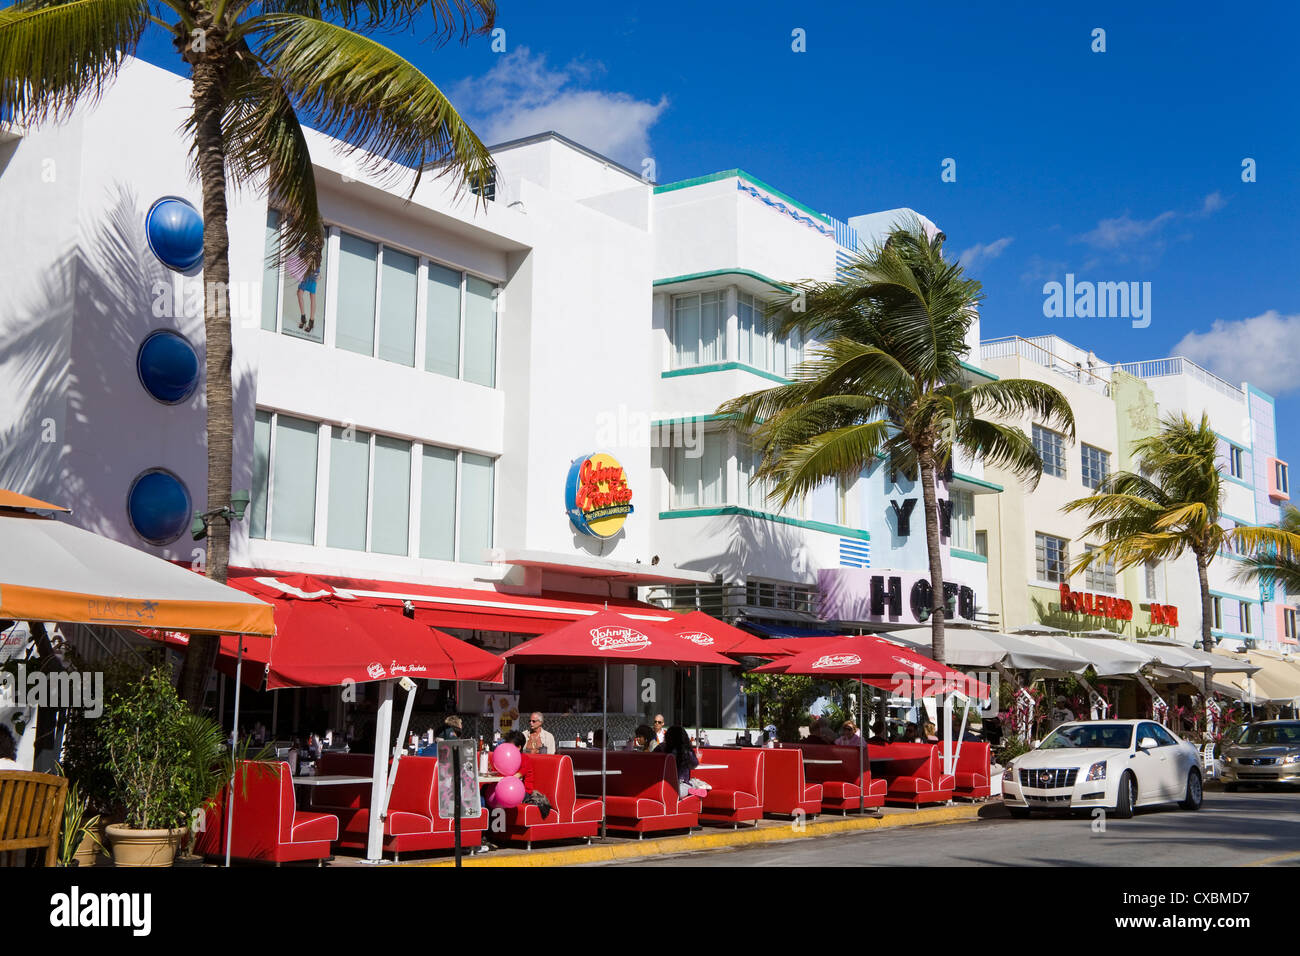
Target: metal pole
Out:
[862,745]
[604,743]
[698,677]
[379,780]
[234,738]
[455,769]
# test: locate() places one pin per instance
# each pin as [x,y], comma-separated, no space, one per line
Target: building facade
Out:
[1032,540]
[503,411]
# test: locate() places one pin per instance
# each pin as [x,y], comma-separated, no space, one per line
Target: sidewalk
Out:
[710,838]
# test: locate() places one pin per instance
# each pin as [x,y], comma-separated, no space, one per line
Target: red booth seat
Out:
[737,794]
[843,787]
[785,791]
[267,823]
[569,818]
[413,823]
[913,774]
[972,770]
[642,797]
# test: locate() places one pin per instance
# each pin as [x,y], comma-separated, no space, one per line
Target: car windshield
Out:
[1109,736]
[1262,735]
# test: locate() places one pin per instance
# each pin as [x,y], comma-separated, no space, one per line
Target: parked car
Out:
[1115,764]
[1264,752]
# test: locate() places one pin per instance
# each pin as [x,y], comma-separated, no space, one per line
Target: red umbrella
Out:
[609,636]
[880,663]
[705,631]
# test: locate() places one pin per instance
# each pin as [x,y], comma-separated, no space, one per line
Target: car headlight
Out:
[1226,759]
[1097,771]
[1009,774]
[1291,758]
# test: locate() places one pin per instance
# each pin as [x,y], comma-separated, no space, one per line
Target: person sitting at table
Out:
[598,739]
[452,728]
[849,736]
[911,734]
[677,743]
[930,736]
[525,773]
[643,740]
[537,739]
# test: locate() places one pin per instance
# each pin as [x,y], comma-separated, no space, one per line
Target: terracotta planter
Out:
[88,850]
[133,847]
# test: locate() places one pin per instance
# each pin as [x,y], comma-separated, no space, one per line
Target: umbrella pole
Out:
[862,745]
[698,677]
[234,738]
[604,745]
[379,779]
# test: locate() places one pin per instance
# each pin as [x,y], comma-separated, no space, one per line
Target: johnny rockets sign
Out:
[1099,605]
[596,495]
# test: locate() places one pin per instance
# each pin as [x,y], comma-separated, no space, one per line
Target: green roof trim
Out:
[752,180]
[693,420]
[713,274]
[1241,599]
[724,510]
[724,367]
[967,555]
[1262,394]
[970,479]
[980,372]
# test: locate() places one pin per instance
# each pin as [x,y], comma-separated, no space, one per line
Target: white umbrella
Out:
[987,649]
[1037,629]
[1109,658]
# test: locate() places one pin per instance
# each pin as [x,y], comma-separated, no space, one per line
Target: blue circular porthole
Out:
[159,506]
[168,366]
[174,229]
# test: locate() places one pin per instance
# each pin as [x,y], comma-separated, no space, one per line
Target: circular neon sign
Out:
[596,495]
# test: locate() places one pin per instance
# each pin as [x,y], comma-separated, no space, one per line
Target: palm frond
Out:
[1017,397]
[371,98]
[53,56]
[470,17]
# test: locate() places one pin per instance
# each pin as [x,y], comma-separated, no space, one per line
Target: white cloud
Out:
[1248,350]
[1212,204]
[521,96]
[984,252]
[1112,233]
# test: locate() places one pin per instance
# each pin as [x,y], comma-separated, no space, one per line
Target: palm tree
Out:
[255,66]
[1175,510]
[1272,567]
[887,382]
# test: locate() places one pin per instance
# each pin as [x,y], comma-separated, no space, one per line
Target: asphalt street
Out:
[1231,829]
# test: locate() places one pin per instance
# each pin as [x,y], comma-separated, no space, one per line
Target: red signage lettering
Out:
[1097,605]
[590,495]
[1164,614]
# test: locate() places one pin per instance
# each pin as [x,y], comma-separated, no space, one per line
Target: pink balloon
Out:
[507,759]
[510,792]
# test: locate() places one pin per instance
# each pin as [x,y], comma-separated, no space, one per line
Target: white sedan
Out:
[1115,764]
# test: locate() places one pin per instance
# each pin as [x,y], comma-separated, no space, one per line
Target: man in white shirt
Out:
[659,728]
[537,740]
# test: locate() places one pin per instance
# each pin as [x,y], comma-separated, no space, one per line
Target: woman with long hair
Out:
[677,743]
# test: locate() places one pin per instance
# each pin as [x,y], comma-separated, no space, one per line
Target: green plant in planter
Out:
[78,824]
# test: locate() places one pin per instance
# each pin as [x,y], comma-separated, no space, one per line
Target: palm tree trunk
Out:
[931,502]
[1207,612]
[209,106]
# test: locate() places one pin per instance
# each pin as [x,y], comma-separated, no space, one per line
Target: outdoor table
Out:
[807,761]
[329,780]
[596,773]
[710,766]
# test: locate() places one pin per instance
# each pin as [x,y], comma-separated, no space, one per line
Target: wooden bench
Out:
[31,812]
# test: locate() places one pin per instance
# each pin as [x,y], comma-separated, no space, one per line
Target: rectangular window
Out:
[476,500]
[1096,466]
[390,512]
[963,520]
[438,504]
[1281,479]
[698,329]
[1216,612]
[698,473]
[982,543]
[293,480]
[349,488]
[1289,623]
[261,473]
[1235,461]
[1053,558]
[442,334]
[397,306]
[1152,591]
[271,273]
[358,261]
[759,345]
[1100,576]
[1050,446]
[480,332]
[1243,617]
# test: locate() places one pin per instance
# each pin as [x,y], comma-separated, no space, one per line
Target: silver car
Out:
[1263,752]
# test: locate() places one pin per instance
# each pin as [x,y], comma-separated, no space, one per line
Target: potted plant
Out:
[80,840]
[148,739]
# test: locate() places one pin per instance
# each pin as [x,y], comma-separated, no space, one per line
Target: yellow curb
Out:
[715,839]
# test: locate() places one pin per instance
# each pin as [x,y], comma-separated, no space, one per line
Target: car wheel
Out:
[1128,791]
[1230,787]
[1020,813]
[1192,800]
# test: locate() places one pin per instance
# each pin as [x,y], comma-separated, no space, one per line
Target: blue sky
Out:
[1117,166]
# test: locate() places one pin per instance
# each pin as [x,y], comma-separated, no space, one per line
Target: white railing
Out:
[1032,351]
[1160,368]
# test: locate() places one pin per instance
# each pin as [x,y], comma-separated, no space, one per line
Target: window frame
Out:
[1102,580]
[1064,559]
[1092,481]
[1216,612]
[1059,454]
[720,341]
[1244,621]
[1236,461]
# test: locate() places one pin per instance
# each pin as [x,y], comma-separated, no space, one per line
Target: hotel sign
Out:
[596,495]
